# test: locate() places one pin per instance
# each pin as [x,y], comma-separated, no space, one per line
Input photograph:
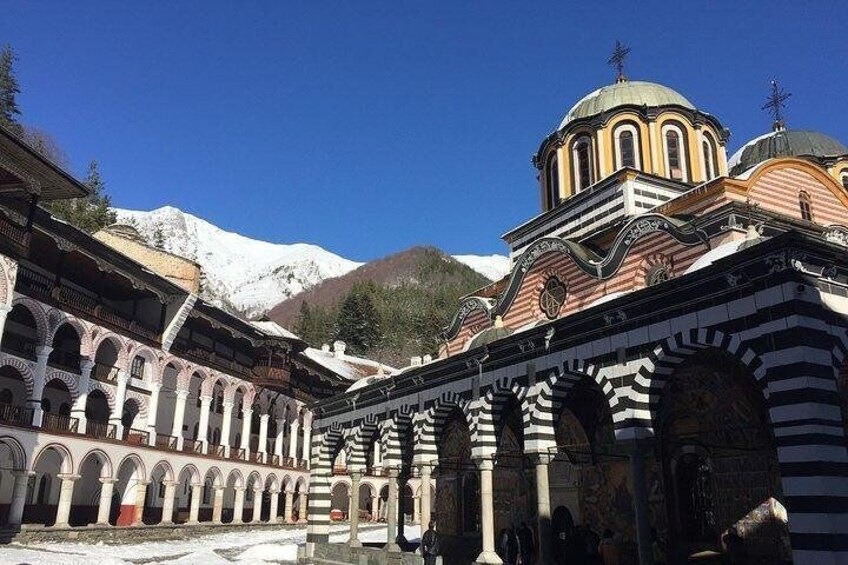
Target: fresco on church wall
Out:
[514,491]
[458,500]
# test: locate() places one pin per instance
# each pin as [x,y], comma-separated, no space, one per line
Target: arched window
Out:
[806,206]
[552,180]
[675,153]
[845,179]
[583,165]
[626,146]
[710,165]
[137,370]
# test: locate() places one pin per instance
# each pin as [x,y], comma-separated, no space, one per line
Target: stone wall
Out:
[334,553]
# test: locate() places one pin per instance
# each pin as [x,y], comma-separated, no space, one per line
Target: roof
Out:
[489,335]
[626,93]
[346,366]
[784,143]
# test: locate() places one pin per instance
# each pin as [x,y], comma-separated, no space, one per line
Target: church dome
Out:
[625,93]
[784,143]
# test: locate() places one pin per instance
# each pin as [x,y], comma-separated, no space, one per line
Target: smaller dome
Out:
[488,336]
[626,93]
[784,143]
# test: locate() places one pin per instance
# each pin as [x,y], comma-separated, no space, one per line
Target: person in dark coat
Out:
[430,544]
[526,545]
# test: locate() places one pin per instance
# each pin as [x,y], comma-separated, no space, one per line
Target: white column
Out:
[203,424]
[246,416]
[19,490]
[278,441]
[120,397]
[152,410]
[168,502]
[179,417]
[293,427]
[288,508]
[275,507]
[487,513]
[301,514]
[194,508]
[78,409]
[355,477]
[375,507]
[39,375]
[307,438]
[238,505]
[263,436]
[140,495]
[425,496]
[543,509]
[257,506]
[392,511]
[66,495]
[105,507]
[225,426]
[4,312]
[217,505]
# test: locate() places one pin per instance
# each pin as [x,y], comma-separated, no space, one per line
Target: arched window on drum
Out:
[710,164]
[626,138]
[583,163]
[674,142]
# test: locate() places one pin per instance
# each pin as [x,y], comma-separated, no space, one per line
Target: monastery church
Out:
[667,357]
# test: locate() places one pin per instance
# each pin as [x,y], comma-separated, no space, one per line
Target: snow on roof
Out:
[273,329]
[606,298]
[347,366]
[713,255]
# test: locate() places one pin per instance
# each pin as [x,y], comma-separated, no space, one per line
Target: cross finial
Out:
[775,103]
[617,60]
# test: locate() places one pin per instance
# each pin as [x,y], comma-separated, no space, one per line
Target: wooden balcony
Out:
[237,453]
[104,373]
[59,423]
[15,415]
[136,437]
[164,441]
[192,446]
[18,345]
[96,429]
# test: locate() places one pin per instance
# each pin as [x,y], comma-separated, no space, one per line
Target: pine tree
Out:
[304,326]
[358,320]
[91,213]
[9,90]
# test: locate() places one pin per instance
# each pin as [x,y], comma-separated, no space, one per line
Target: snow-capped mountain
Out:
[249,275]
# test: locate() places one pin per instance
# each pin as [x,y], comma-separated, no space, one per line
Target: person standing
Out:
[525,544]
[430,544]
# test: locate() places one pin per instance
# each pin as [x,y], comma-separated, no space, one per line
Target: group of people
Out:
[516,546]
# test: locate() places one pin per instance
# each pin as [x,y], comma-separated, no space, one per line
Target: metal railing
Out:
[93,428]
[15,415]
[59,423]
[164,441]
[236,453]
[192,446]
[216,450]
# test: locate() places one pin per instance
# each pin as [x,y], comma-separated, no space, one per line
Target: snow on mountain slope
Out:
[492,267]
[251,276]
[241,273]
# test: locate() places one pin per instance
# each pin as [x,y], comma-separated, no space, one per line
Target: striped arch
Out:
[668,355]
[325,446]
[246,389]
[237,477]
[395,436]
[151,360]
[361,441]
[166,467]
[140,401]
[21,367]
[209,383]
[329,444]
[430,425]
[550,395]
[121,347]
[185,374]
[484,440]
[69,380]
[254,479]
[58,319]
[38,314]
[272,483]
[107,391]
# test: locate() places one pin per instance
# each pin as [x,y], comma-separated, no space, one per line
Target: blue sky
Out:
[367,127]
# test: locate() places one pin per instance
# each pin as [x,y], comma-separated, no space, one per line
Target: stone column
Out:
[138,509]
[257,506]
[275,507]
[392,511]
[355,477]
[194,508]
[246,416]
[225,426]
[66,495]
[280,438]
[19,490]
[293,427]
[217,505]
[288,507]
[6,308]
[203,423]
[238,506]
[168,502]
[375,507]
[78,409]
[640,503]
[425,502]
[105,507]
[39,375]
[152,411]
[301,515]
[120,397]
[263,436]
[487,513]
[307,439]
[543,509]
[179,417]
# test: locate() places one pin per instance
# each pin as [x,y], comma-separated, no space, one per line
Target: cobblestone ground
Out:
[242,548]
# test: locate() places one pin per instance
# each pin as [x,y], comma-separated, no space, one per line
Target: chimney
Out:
[415,361]
[339,349]
[427,359]
[325,348]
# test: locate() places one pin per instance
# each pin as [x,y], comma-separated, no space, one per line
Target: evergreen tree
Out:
[91,213]
[304,326]
[9,90]
[358,319]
